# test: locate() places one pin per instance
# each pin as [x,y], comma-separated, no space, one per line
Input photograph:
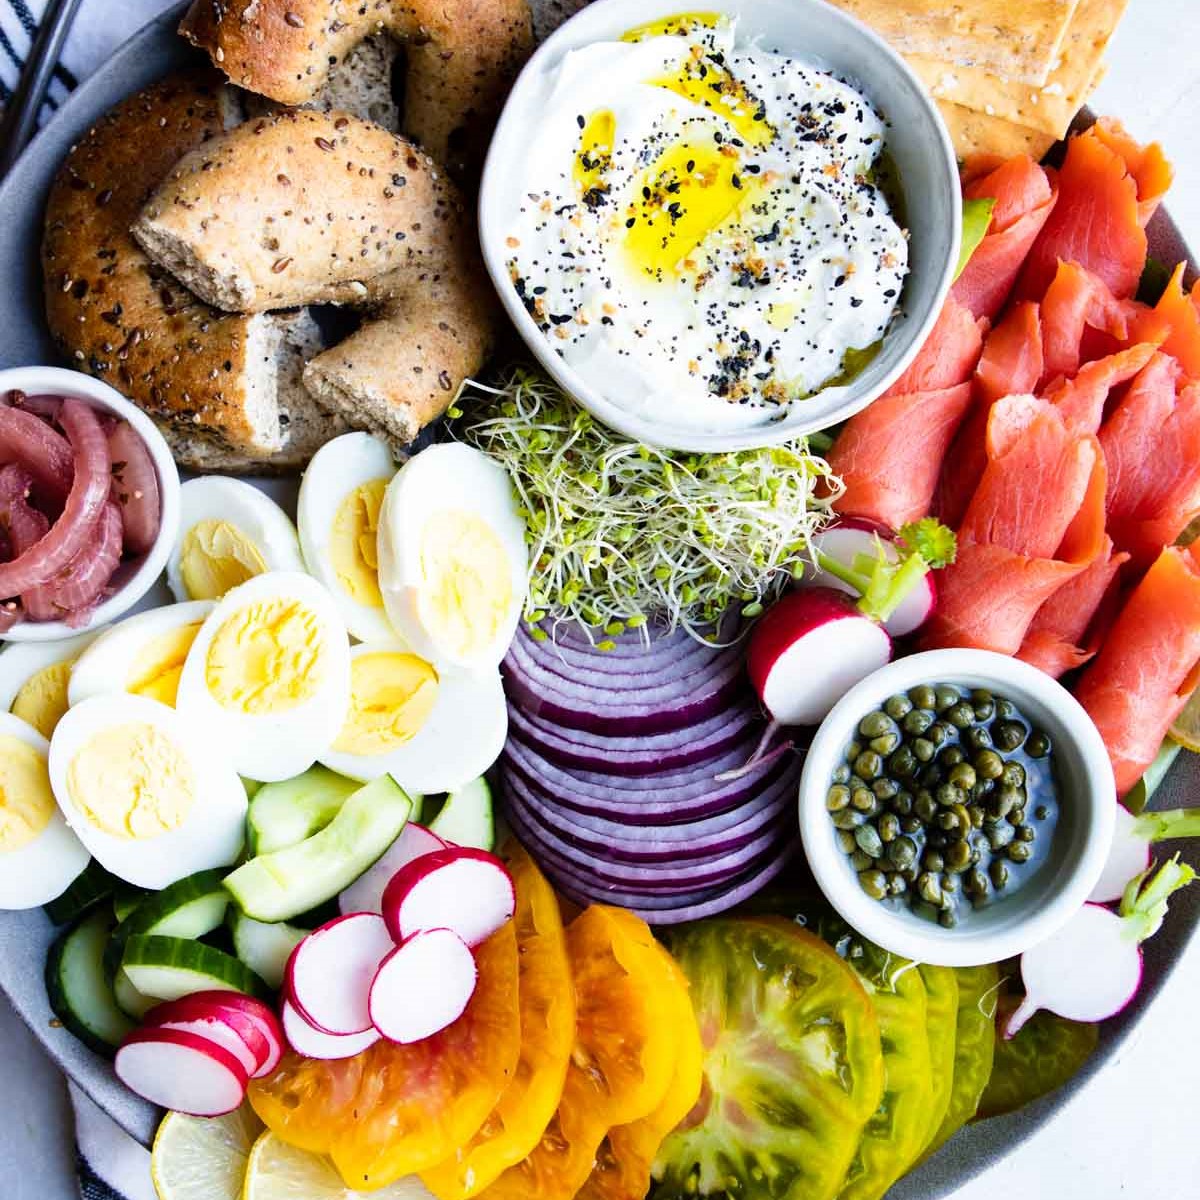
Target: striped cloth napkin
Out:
[112,1166]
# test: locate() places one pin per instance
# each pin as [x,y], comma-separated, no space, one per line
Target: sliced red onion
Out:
[79,585]
[44,452]
[134,488]
[25,527]
[89,491]
[659,658]
[41,406]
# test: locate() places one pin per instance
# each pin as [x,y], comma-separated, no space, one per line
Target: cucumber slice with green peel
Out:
[467,818]
[89,887]
[264,948]
[281,885]
[168,968]
[286,813]
[252,786]
[126,898]
[418,806]
[79,993]
[129,1000]
[188,908]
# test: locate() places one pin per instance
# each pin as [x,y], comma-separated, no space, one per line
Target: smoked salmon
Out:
[1082,400]
[1147,164]
[1098,219]
[1148,665]
[948,355]
[1024,198]
[1075,301]
[1174,322]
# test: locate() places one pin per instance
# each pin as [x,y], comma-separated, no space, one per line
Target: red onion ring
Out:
[89,491]
[46,454]
[73,592]
[135,489]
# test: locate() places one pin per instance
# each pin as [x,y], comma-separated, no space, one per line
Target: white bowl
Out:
[1046,899]
[917,140]
[59,382]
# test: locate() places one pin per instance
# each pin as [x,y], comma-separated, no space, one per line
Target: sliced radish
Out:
[854,538]
[329,973]
[466,890]
[306,1039]
[365,894]
[809,650]
[219,1032]
[1131,846]
[255,1023]
[181,1071]
[423,986]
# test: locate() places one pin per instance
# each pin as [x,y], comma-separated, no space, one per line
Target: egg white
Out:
[240,504]
[447,477]
[338,469]
[44,868]
[106,664]
[462,736]
[22,660]
[211,833]
[268,747]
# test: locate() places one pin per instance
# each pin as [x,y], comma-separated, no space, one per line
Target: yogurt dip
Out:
[702,235]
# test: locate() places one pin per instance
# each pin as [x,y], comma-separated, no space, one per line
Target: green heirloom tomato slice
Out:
[974,1048]
[792,1065]
[941,1015]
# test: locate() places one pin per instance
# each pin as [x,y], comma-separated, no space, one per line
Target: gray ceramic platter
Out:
[25,937]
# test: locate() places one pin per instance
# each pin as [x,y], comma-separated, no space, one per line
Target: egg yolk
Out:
[391,697]
[157,668]
[467,593]
[42,699]
[132,781]
[268,657]
[26,801]
[353,543]
[215,557]
[595,152]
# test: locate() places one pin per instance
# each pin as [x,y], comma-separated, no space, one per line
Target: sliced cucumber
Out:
[264,948]
[170,967]
[126,898]
[281,885]
[286,813]
[129,1000]
[418,806]
[89,887]
[251,786]
[188,908]
[467,817]
[78,990]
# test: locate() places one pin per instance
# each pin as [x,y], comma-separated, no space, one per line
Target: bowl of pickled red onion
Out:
[89,504]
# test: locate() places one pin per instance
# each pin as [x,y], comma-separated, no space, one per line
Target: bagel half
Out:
[226,389]
[462,56]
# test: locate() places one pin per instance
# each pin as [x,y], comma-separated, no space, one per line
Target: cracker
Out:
[977,133]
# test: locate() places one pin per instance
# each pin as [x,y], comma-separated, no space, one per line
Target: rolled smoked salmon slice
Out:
[1148,665]
[1152,444]
[1175,322]
[1097,221]
[889,474]
[1075,301]
[1024,199]
[1082,400]
[947,357]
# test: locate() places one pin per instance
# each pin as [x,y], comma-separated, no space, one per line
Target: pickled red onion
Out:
[135,488]
[27,439]
[76,588]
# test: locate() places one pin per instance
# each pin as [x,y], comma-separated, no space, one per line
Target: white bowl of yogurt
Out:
[720,230]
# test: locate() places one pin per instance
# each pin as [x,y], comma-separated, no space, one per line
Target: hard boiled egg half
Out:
[39,855]
[35,679]
[338,517]
[267,679]
[452,557]
[431,733]
[143,654]
[144,793]
[229,532]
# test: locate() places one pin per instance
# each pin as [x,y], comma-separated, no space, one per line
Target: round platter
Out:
[25,937]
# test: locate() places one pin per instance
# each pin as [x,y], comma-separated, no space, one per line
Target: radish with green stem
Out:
[1092,967]
[1132,839]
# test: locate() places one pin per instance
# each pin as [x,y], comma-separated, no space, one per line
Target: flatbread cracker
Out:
[976,133]
[1049,108]
[1017,39]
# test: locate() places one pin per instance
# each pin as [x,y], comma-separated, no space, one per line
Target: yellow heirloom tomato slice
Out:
[305,1101]
[547,1007]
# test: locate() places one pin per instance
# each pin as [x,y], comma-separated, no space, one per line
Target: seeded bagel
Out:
[462,55]
[226,389]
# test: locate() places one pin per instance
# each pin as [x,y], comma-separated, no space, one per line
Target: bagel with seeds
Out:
[306,207]
[462,56]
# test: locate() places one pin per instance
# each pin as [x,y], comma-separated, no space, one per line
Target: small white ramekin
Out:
[1081,841]
[56,381]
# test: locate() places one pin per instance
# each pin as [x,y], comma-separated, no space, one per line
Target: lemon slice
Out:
[277,1171]
[203,1158]
[1186,730]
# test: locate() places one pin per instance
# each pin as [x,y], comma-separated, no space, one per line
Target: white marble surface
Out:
[1130,1136]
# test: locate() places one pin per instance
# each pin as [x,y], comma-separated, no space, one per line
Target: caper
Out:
[963,775]
[948,794]
[1026,833]
[837,797]
[885,743]
[848,818]
[1019,852]
[946,697]
[902,853]
[876,723]
[869,841]
[902,803]
[998,872]
[947,918]
[868,765]
[932,860]
[975,883]
[911,824]
[1005,709]
[884,789]
[922,696]
[898,707]
[930,776]
[998,833]
[949,884]
[840,774]
[939,732]
[923,749]
[988,764]
[982,696]
[1016,816]
[936,838]
[950,757]
[949,820]
[1014,775]
[863,799]
[1041,812]
[917,721]
[853,750]
[929,887]
[957,856]
[978,737]
[861,861]
[1037,745]
[897,885]
[961,716]
[903,762]
[874,883]
[1009,735]
[984,710]
[976,813]
[845,841]
[924,806]
[889,827]
[910,873]
[1003,801]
